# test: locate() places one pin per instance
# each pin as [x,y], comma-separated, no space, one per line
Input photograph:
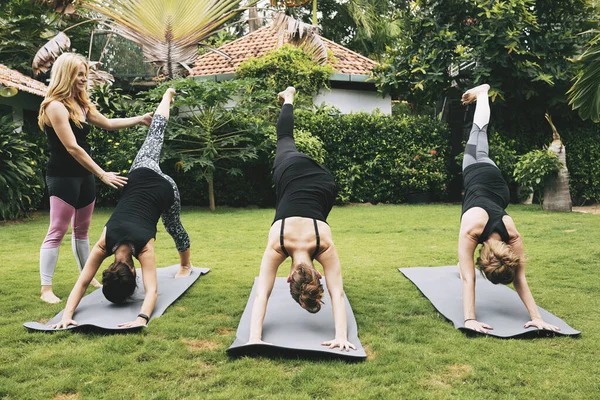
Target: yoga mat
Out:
[292,330]
[496,305]
[94,310]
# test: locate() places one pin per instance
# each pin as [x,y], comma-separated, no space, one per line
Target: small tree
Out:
[203,132]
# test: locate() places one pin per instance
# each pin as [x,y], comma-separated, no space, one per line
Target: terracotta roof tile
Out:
[11,78]
[259,42]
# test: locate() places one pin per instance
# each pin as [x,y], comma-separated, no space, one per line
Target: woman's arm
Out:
[467,243]
[148,266]
[271,261]
[59,120]
[97,255]
[522,288]
[332,268]
[114,124]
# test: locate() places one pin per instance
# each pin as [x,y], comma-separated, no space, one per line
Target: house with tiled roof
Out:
[350,91]
[19,93]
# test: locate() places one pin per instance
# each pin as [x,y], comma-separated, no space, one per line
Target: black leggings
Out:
[286,146]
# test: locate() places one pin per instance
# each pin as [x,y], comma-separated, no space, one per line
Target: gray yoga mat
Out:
[496,305]
[95,311]
[293,331]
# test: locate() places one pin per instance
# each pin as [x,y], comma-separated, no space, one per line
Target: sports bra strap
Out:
[318,240]
[281,238]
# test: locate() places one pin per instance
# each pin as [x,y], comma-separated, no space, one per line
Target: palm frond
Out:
[98,77]
[584,95]
[45,57]
[303,35]
[167,30]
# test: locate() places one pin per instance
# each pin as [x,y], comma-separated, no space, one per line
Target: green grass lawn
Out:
[413,351]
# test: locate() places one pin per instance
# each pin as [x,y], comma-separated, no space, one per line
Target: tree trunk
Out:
[556,190]
[254,21]
[211,193]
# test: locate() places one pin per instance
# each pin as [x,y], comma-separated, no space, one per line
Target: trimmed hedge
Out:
[379,158]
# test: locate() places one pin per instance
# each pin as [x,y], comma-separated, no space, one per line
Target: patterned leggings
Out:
[148,157]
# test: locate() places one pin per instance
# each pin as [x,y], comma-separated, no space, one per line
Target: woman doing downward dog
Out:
[65,115]
[305,195]
[484,221]
[131,230]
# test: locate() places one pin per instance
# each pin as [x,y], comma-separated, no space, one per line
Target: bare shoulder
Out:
[56,107]
[473,221]
[511,228]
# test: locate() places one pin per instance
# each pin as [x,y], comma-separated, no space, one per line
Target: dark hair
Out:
[497,262]
[118,282]
[306,288]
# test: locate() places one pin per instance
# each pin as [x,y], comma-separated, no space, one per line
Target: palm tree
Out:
[167,30]
[584,95]
[556,188]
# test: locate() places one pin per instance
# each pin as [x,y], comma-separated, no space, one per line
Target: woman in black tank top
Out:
[131,230]
[65,115]
[485,222]
[305,195]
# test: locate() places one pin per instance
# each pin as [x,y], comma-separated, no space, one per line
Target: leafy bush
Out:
[286,66]
[582,144]
[21,183]
[533,167]
[370,155]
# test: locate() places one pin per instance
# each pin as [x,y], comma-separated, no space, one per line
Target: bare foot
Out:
[287,96]
[48,296]
[183,272]
[95,283]
[170,93]
[471,95]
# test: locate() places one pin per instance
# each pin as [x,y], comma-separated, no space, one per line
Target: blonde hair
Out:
[61,88]
[306,288]
[497,262]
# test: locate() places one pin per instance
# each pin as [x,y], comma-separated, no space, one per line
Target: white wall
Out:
[348,101]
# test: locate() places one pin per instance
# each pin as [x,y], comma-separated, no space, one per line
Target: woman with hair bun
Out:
[305,195]
[65,116]
[131,230]
[484,221]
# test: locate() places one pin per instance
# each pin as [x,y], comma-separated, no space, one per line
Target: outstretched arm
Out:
[333,276]
[97,255]
[271,261]
[467,243]
[522,288]
[148,266]
[114,124]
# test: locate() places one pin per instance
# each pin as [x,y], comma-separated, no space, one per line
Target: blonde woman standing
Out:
[65,117]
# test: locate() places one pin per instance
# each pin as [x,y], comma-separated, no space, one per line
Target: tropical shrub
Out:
[21,183]
[533,167]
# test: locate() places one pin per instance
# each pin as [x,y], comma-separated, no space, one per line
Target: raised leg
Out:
[149,154]
[477,148]
[285,126]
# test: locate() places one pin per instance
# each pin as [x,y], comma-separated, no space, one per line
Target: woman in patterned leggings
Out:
[131,230]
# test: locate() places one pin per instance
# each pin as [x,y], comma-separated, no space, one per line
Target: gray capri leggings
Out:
[477,149]
[149,157]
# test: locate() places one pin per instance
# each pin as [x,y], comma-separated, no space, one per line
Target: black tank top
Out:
[61,163]
[145,197]
[485,188]
[304,188]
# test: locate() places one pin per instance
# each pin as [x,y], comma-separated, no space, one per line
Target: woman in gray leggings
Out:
[484,221]
[131,230]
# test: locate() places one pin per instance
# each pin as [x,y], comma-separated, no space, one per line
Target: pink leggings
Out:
[61,213]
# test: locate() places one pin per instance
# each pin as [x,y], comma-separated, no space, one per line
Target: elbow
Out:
[74,151]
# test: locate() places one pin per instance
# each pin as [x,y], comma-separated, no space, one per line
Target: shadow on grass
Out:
[266,351]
